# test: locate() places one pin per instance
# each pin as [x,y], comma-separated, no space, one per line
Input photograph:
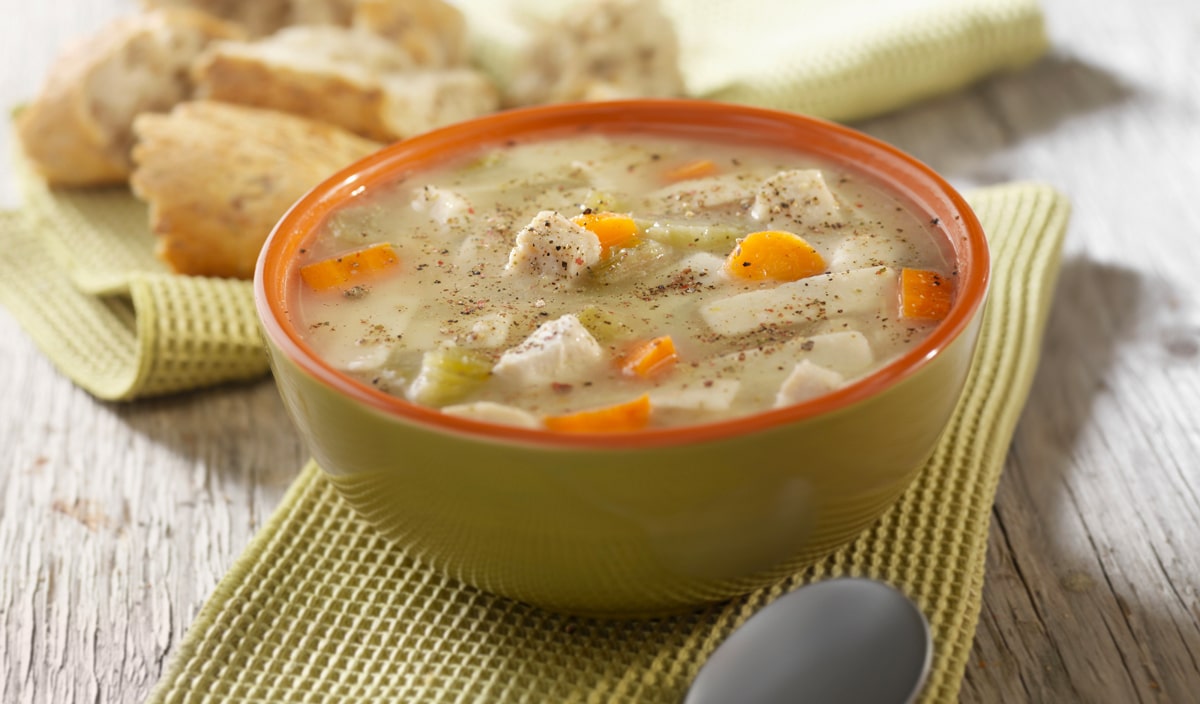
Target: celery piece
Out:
[628,263]
[685,235]
[602,201]
[448,375]
[605,325]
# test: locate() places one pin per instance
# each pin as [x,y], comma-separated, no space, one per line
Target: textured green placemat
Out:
[321,609]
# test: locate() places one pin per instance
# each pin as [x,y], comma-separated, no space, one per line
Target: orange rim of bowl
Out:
[896,172]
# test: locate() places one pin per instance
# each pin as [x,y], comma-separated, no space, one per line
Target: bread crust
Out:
[257,17]
[78,130]
[351,78]
[218,176]
[433,32]
[600,50]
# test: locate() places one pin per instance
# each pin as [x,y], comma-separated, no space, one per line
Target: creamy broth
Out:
[499,298]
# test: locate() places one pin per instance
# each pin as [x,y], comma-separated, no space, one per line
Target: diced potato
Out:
[696,395]
[861,251]
[561,350]
[492,412]
[797,198]
[847,353]
[704,265]
[806,381]
[700,194]
[810,300]
[762,369]
[551,245]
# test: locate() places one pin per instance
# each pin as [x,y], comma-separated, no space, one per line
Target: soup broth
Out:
[597,283]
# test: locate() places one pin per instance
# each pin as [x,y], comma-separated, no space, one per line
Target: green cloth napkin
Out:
[320,608]
[78,271]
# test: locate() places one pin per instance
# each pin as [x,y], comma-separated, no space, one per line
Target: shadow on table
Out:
[1054,620]
[961,134]
[237,432]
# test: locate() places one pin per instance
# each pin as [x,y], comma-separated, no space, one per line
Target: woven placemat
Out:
[321,609]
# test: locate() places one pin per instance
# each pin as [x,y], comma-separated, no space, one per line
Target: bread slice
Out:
[433,32]
[256,17]
[600,50]
[335,12]
[347,77]
[77,131]
[218,177]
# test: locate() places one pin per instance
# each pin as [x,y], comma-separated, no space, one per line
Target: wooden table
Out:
[118,519]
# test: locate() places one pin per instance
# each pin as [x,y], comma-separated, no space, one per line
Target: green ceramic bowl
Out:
[645,522]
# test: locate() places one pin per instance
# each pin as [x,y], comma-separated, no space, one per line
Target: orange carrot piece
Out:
[693,169]
[775,255]
[618,418]
[651,357]
[924,294]
[339,270]
[612,229]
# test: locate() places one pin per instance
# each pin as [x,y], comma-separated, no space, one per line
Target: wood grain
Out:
[118,520]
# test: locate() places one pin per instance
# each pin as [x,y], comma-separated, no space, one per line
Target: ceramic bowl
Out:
[645,522]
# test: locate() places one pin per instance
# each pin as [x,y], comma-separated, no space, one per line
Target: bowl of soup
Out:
[624,358]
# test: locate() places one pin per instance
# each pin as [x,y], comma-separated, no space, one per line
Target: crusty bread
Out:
[257,17]
[78,129]
[433,32]
[335,12]
[599,50]
[348,77]
[218,176]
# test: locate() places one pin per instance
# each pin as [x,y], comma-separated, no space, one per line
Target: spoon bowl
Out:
[849,640]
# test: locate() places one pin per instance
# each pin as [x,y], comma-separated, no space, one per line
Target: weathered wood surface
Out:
[118,520]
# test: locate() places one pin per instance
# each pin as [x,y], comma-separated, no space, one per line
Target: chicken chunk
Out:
[442,205]
[553,246]
[601,50]
[561,350]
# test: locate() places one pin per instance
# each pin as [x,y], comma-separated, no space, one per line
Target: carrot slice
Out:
[338,270]
[651,357]
[924,294]
[612,229]
[776,255]
[693,169]
[618,418]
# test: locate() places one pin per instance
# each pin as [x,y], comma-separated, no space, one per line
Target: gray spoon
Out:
[842,640]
